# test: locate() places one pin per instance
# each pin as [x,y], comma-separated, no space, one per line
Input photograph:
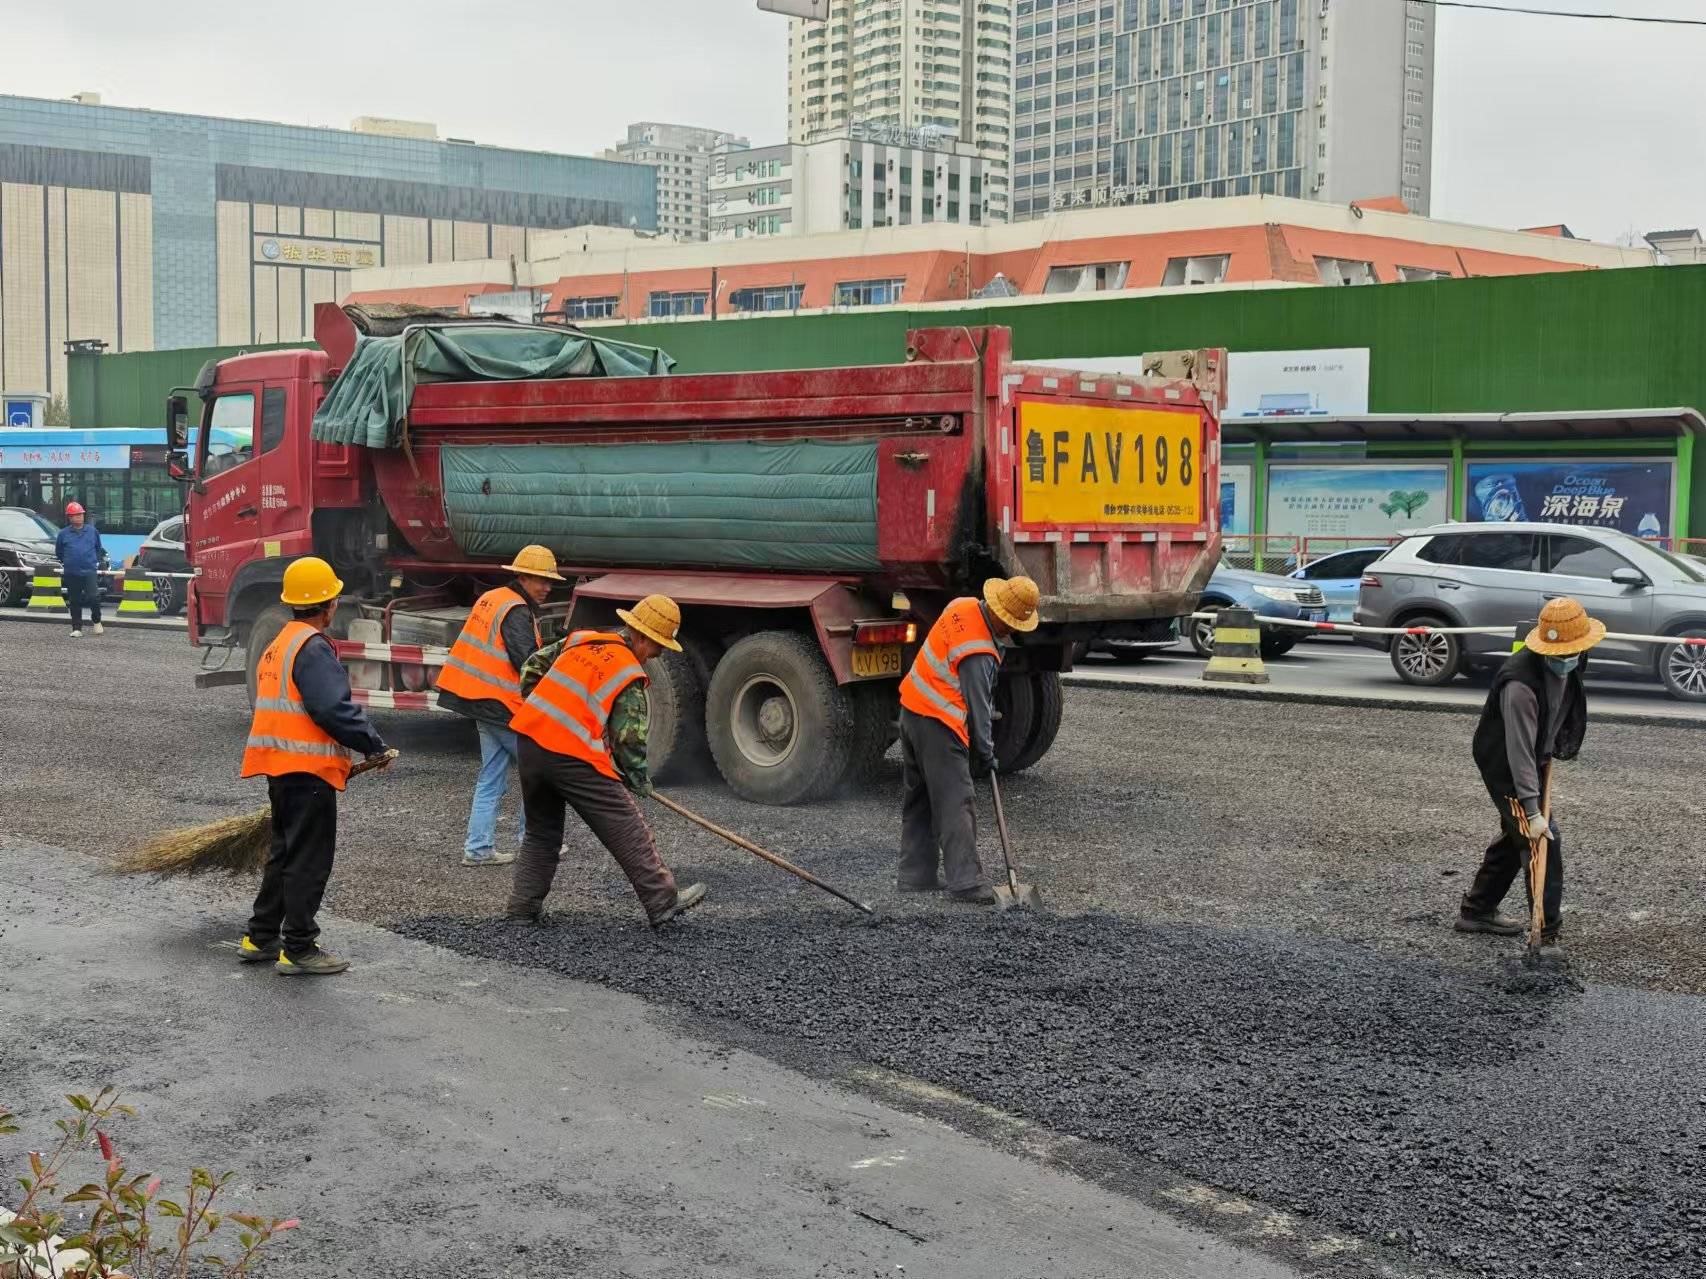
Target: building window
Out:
[680,303]
[1199,270]
[1345,271]
[769,297]
[589,308]
[1092,277]
[868,292]
[1408,273]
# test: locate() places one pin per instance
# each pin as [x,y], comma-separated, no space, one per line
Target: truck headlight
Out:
[1285,595]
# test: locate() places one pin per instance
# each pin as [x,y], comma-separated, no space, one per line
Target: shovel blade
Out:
[1017,896]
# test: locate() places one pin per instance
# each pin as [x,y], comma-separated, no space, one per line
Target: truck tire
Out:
[875,707]
[1049,700]
[271,620]
[676,748]
[781,731]
[1016,703]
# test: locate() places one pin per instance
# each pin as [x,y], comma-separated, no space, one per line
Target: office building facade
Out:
[945,65]
[683,155]
[148,229]
[1152,101]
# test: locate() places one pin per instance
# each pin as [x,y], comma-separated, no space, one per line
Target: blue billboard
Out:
[1632,496]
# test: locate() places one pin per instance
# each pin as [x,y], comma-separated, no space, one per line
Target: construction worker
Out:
[78,550]
[582,725]
[947,737]
[304,724]
[1536,713]
[482,680]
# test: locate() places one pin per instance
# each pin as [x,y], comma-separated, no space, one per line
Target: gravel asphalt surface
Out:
[1247,977]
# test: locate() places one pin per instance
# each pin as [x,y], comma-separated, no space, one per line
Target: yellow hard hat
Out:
[310,581]
[656,617]
[1013,600]
[536,561]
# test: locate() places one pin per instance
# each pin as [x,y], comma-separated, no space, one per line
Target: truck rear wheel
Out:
[271,620]
[675,726]
[1049,701]
[1016,703]
[781,731]
[875,707]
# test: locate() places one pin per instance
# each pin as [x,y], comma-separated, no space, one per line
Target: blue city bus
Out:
[118,473]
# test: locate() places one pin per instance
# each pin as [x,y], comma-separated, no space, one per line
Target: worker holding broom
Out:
[482,680]
[304,725]
[1536,713]
[582,730]
[947,735]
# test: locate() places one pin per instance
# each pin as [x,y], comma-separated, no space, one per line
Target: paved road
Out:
[1339,668]
[433,1114]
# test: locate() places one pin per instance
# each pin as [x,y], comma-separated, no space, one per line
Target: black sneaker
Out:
[251,952]
[539,919]
[685,900]
[976,895]
[316,963]
[918,886]
[1496,924]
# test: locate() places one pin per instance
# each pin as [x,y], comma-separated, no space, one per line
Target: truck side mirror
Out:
[178,465]
[178,423]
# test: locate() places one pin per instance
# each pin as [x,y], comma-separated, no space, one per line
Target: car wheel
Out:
[12,587]
[1276,645]
[1682,667]
[1200,632]
[1427,660]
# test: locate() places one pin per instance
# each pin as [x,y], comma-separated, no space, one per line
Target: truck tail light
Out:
[1368,580]
[898,631]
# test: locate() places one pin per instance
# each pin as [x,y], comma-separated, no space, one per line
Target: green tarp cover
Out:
[804,505]
[366,405]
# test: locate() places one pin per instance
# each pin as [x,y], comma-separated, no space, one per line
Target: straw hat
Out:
[1565,629]
[657,617]
[1013,600]
[536,561]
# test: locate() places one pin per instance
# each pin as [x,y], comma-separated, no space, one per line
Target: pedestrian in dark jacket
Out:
[78,550]
[1536,713]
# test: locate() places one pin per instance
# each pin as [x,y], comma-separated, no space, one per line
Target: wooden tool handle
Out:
[378,761]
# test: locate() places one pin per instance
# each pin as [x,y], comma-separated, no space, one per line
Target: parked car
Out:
[26,543]
[1267,595]
[162,551]
[1501,575]
[1339,576]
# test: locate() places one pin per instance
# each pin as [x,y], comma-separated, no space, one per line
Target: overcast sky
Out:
[1600,125]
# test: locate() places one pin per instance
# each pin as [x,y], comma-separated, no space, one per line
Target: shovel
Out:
[1537,874]
[1012,895]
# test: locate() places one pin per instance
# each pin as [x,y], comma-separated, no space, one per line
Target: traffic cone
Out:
[47,594]
[138,596]
[1237,649]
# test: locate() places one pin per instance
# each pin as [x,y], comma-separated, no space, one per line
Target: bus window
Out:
[231,441]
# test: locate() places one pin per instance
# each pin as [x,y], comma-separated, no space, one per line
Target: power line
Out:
[1563,13]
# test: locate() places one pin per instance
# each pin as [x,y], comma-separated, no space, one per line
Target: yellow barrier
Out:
[138,596]
[47,594]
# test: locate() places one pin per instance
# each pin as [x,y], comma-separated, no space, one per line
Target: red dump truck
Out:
[811,523]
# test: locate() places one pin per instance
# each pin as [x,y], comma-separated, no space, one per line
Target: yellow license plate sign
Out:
[1079,464]
[877,659]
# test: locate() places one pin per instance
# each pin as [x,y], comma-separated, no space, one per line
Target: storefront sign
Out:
[1280,384]
[73,457]
[1355,500]
[1632,496]
[887,134]
[1084,465]
[277,250]
[1087,197]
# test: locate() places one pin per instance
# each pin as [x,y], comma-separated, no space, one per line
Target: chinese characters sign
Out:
[275,250]
[1355,500]
[65,457]
[1273,384]
[1632,496]
[1084,465]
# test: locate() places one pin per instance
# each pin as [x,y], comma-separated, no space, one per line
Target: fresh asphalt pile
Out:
[1250,981]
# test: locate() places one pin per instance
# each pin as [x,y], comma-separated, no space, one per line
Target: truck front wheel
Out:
[271,620]
[781,731]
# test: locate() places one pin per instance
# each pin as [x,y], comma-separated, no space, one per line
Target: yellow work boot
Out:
[316,963]
[249,953]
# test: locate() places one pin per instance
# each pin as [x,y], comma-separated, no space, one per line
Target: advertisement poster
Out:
[1235,504]
[1356,501]
[1278,384]
[1632,496]
[67,457]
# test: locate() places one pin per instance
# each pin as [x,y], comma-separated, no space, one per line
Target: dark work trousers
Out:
[1507,857]
[304,838]
[939,810]
[83,590]
[550,783]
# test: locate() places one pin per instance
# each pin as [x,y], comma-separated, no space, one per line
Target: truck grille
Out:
[1310,596]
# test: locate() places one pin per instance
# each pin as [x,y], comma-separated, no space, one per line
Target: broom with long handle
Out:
[1537,869]
[235,845]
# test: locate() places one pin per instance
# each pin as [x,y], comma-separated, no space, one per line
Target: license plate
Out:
[1080,464]
[878,659]
[1315,615]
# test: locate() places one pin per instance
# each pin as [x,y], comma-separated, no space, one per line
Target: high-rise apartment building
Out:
[1144,101]
[917,64]
[681,153]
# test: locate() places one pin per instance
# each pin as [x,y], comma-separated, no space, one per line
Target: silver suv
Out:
[1501,574]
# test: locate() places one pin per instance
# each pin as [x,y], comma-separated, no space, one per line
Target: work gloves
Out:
[1536,826]
[644,789]
[982,767]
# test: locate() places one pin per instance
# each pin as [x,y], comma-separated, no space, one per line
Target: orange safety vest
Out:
[932,686]
[568,709]
[478,667]
[282,737]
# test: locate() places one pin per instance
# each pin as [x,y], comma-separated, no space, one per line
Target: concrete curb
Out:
[129,623]
[1257,693]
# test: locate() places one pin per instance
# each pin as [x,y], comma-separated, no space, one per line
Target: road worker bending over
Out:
[305,724]
[1536,712]
[582,726]
[482,680]
[946,734]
